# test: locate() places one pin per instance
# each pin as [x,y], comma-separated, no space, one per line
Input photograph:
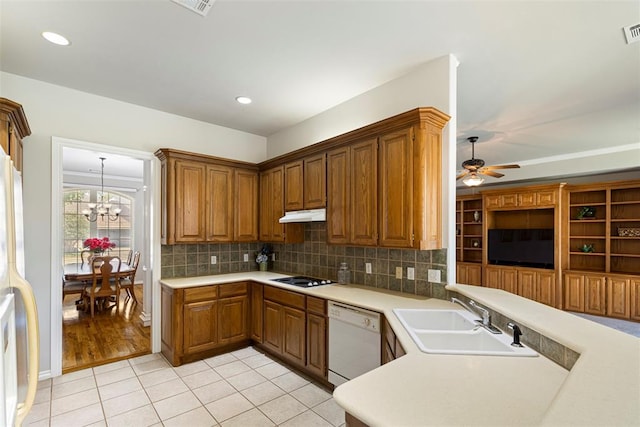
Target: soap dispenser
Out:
[344,274]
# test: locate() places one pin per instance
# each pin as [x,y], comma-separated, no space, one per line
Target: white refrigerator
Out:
[19,335]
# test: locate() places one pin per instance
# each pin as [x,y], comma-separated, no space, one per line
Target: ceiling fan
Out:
[475,167]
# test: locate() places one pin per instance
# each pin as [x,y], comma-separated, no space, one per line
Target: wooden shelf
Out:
[587,221]
[588,237]
[588,253]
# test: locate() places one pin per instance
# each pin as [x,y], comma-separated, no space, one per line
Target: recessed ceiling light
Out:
[243,99]
[56,38]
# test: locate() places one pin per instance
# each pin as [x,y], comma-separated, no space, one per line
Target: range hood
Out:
[304,216]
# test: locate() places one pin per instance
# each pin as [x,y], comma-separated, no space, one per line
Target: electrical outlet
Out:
[367,267]
[246,257]
[410,273]
[398,272]
[433,276]
[214,259]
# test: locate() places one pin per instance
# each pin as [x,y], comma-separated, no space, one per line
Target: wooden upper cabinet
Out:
[305,183]
[533,197]
[338,190]
[271,204]
[294,186]
[396,189]
[219,203]
[363,218]
[190,201]
[207,199]
[272,209]
[315,182]
[13,128]
[246,206]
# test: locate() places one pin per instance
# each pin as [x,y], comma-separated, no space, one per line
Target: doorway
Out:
[124,180]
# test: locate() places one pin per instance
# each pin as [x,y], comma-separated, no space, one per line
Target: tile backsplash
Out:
[314,257]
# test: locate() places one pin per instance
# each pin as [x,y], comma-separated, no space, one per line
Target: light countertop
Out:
[602,388]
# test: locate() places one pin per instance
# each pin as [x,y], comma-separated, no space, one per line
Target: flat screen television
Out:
[532,247]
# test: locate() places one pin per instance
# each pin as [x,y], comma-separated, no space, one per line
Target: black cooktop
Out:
[304,281]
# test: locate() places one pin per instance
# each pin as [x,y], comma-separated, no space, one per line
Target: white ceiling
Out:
[536,79]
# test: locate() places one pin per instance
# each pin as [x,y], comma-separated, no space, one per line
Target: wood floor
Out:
[106,338]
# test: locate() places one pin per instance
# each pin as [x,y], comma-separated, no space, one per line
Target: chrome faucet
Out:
[486,317]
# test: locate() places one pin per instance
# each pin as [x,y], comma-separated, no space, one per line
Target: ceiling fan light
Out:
[473,180]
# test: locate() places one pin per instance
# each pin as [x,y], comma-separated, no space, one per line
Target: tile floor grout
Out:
[244,387]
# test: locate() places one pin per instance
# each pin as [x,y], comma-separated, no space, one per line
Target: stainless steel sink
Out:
[455,332]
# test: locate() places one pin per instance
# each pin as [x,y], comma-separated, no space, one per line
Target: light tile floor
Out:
[242,388]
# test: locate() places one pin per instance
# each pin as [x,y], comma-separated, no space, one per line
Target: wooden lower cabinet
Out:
[602,294]
[317,336]
[391,347]
[469,273]
[533,283]
[201,321]
[256,297]
[595,294]
[285,324]
[618,297]
[634,299]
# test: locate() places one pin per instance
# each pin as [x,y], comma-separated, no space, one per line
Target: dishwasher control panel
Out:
[362,318]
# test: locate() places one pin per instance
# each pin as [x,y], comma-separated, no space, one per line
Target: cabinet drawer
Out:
[317,306]
[200,293]
[233,289]
[289,298]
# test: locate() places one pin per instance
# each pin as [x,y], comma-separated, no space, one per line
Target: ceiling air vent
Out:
[632,33]
[201,7]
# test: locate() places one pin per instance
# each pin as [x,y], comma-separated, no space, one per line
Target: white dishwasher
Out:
[354,342]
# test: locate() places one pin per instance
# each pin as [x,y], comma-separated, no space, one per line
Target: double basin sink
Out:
[456,332]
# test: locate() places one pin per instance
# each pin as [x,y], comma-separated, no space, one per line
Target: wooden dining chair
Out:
[129,255]
[105,282]
[127,282]
[85,256]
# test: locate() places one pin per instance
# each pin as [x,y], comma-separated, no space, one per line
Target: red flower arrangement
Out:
[98,245]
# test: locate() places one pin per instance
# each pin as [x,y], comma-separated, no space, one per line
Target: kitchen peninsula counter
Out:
[602,388]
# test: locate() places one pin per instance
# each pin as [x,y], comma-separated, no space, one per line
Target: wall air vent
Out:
[201,7]
[632,33]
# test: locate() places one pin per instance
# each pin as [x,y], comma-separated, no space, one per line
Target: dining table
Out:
[82,271]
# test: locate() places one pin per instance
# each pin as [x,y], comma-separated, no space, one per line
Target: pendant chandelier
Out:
[102,209]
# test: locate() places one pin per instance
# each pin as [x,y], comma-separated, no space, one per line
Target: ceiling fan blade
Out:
[502,167]
[490,173]
[462,174]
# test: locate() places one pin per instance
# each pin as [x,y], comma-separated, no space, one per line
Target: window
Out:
[77,228]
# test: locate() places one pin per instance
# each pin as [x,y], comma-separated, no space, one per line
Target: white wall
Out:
[426,86]
[57,111]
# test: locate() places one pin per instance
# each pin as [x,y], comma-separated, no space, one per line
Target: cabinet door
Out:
[618,297]
[574,292]
[546,198]
[317,344]
[246,206]
[474,275]
[363,218]
[315,182]
[233,325]
[509,278]
[338,200]
[219,203]
[200,326]
[492,277]
[527,199]
[595,294]
[526,283]
[273,328]
[546,288]
[294,186]
[272,204]
[461,274]
[635,299]
[190,199]
[256,312]
[294,342]
[395,177]
[509,200]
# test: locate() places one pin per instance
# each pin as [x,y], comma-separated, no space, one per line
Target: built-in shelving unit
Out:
[469,239]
